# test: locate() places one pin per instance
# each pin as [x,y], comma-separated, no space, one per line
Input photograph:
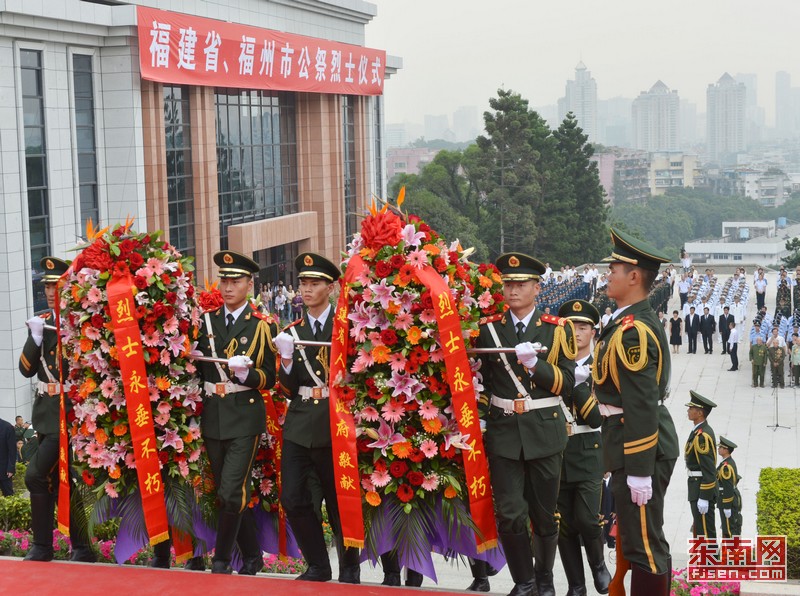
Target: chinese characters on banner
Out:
[188,50]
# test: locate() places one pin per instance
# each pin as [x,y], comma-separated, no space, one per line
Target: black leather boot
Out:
[42,511]
[597,564]
[161,555]
[544,552]
[349,563]
[252,557]
[308,534]
[569,548]
[227,530]
[413,578]
[517,548]
[195,564]
[651,584]
[391,569]
[480,581]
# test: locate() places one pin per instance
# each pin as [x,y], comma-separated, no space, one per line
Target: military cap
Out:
[698,401]
[633,251]
[309,264]
[53,269]
[515,266]
[234,264]
[727,443]
[580,310]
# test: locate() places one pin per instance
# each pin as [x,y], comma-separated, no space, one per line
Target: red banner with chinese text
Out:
[275,429]
[128,340]
[459,377]
[63,435]
[343,428]
[188,50]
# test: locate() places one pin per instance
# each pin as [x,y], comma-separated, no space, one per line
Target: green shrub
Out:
[107,530]
[778,511]
[19,479]
[15,513]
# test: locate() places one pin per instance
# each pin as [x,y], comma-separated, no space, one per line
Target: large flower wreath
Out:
[410,447]
[100,420]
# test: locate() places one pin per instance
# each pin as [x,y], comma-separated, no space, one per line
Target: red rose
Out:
[416,456]
[125,247]
[136,260]
[159,309]
[440,264]
[97,321]
[146,239]
[96,256]
[183,326]
[190,291]
[397,261]
[398,468]
[405,493]
[389,337]
[198,408]
[380,465]
[383,269]
[140,282]
[163,457]
[165,278]
[426,301]
[453,257]
[381,229]
[448,453]
[415,478]
[361,445]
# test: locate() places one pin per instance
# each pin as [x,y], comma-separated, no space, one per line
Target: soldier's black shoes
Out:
[83,554]
[39,553]
[577,591]
[524,589]
[195,564]
[391,578]
[219,566]
[251,565]
[351,574]
[479,584]
[316,574]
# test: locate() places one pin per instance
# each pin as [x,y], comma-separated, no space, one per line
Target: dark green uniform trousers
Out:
[579,507]
[704,525]
[231,461]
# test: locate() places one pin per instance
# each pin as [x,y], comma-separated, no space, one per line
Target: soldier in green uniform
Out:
[234,416]
[758,358]
[730,500]
[306,432]
[777,357]
[525,426]
[631,376]
[40,359]
[700,453]
[582,472]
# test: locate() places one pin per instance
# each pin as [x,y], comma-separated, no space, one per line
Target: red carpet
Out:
[60,577]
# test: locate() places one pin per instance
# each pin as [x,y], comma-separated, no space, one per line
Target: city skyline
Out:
[623,45]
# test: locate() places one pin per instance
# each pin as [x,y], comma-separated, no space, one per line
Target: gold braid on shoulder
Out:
[608,364]
[563,342]
[703,444]
[262,339]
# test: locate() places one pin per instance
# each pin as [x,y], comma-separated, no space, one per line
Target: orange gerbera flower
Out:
[402,450]
[100,436]
[114,472]
[380,354]
[120,429]
[87,387]
[485,281]
[86,344]
[373,498]
[432,426]
[413,335]
[432,249]
[394,308]
[76,293]
[450,492]
[163,383]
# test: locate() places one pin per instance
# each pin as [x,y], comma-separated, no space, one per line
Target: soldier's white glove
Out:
[527,354]
[582,374]
[240,366]
[702,506]
[36,325]
[727,512]
[641,489]
[285,344]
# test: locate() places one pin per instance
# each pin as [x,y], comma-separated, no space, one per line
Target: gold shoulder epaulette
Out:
[213,311]
[269,317]
[491,319]
[293,323]
[627,322]
[45,315]
[552,319]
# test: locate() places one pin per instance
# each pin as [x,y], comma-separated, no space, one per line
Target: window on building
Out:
[737,257]
[349,174]
[35,167]
[256,156]
[180,198]
[277,264]
[83,88]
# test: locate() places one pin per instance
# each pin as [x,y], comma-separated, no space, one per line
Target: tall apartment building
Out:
[726,113]
[656,119]
[581,99]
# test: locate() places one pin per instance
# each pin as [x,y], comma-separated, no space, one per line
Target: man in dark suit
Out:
[39,359]
[234,416]
[724,326]
[582,471]
[692,326]
[306,432]
[707,328]
[640,445]
[525,427]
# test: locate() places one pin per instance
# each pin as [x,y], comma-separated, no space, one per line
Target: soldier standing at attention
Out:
[631,375]
[759,357]
[700,453]
[525,427]
[730,500]
[234,416]
[307,432]
[580,494]
[39,358]
[777,356]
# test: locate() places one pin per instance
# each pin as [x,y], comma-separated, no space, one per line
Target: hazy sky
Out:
[458,52]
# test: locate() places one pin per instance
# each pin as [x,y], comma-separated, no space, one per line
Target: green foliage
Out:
[18,481]
[778,511]
[792,260]
[15,513]
[107,530]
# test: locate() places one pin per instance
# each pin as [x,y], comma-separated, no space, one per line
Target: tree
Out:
[792,260]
